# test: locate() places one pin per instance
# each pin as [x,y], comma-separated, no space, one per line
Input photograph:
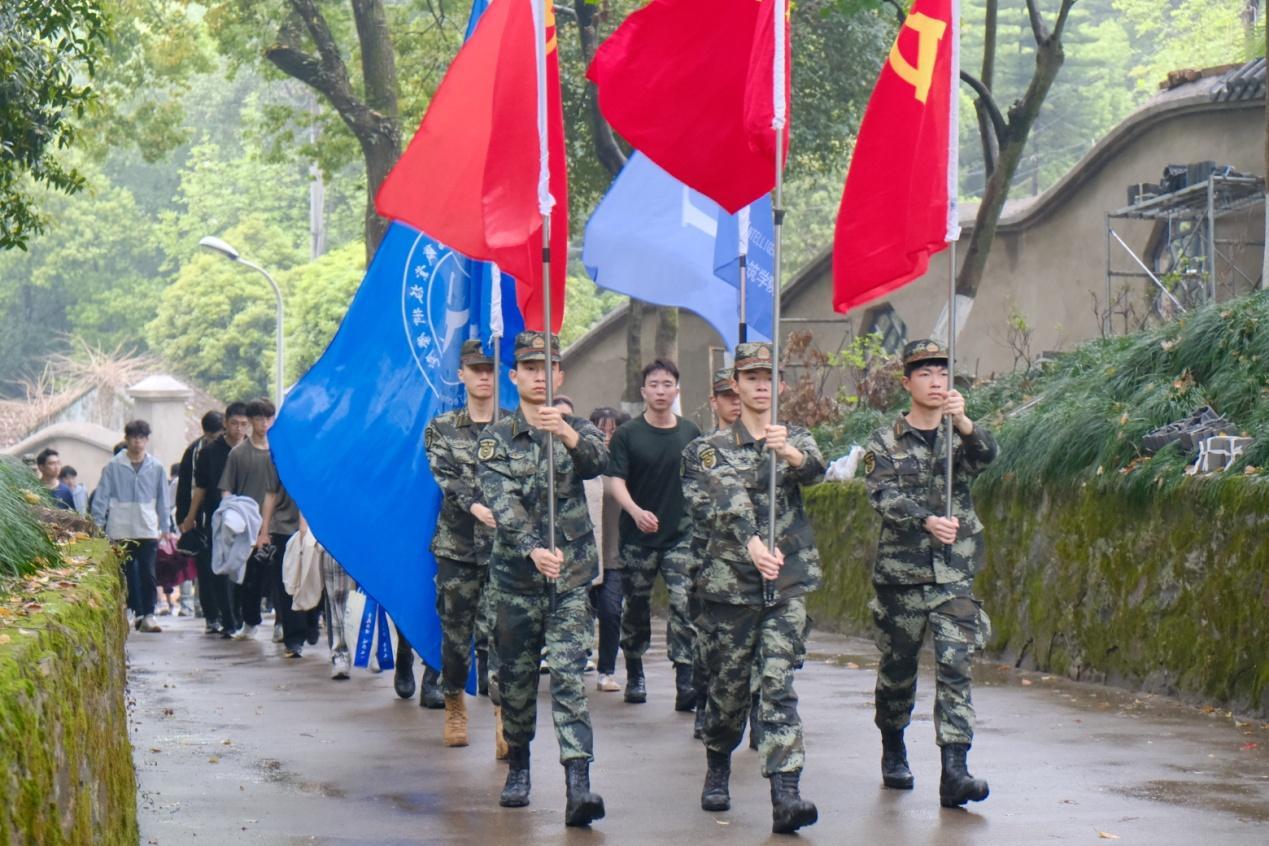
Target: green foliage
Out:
[586,305]
[321,292]
[24,545]
[215,322]
[1181,34]
[48,50]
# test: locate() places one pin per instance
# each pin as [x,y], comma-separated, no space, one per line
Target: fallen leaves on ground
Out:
[1106,835]
[1249,747]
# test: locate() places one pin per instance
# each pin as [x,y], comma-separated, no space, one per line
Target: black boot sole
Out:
[636,698]
[799,819]
[685,703]
[403,690]
[898,782]
[516,802]
[722,803]
[961,797]
[585,812]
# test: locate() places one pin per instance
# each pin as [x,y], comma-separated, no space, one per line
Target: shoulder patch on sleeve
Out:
[870,462]
[486,449]
[709,458]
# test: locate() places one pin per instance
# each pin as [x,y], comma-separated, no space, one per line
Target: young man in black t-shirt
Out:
[655,530]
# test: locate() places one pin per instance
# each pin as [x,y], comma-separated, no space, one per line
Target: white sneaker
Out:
[277,633]
[341,667]
[607,684]
[149,624]
[590,666]
[245,633]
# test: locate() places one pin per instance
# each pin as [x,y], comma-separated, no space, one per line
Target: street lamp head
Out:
[219,246]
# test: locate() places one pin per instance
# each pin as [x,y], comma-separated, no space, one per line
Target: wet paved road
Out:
[236,745]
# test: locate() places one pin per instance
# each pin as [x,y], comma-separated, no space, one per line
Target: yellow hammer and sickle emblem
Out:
[552,41]
[930,31]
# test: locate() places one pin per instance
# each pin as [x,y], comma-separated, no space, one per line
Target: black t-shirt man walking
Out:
[655,530]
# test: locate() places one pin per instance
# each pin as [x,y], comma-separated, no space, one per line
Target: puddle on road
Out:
[1241,800]
[271,770]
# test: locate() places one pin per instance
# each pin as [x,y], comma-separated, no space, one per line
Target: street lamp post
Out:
[219,246]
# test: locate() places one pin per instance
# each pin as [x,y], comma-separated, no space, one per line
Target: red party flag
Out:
[480,173]
[899,205]
[693,85]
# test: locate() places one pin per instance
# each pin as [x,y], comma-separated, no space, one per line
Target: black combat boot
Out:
[430,695]
[636,690]
[894,761]
[698,728]
[715,795]
[482,672]
[789,811]
[684,689]
[582,806]
[515,792]
[403,677]
[957,786]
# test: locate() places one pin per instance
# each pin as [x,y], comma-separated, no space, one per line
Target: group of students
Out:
[694,509]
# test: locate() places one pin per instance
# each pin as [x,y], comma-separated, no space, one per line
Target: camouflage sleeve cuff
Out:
[980,445]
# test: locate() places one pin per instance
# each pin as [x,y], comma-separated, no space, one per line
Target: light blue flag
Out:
[657,240]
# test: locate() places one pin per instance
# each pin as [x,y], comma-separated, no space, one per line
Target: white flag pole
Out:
[496,329]
[545,203]
[779,117]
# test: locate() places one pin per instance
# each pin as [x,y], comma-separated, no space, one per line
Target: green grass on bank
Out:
[24,545]
[1081,418]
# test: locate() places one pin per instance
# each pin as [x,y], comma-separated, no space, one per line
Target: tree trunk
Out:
[667,343]
[1022,116]
[1264,264]
[986,133]
[607,150]
[373,119]
[634,355]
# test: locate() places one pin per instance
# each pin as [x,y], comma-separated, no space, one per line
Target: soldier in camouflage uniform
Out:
[463,536]
[730,470]
[724,402]
[541,588]
[925,568]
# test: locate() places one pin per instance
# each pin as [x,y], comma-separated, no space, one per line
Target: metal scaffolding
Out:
[1191,216]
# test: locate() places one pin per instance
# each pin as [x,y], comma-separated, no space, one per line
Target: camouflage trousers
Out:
[677,566]
[902,614]
[462,604]
[525,625]
[741,641]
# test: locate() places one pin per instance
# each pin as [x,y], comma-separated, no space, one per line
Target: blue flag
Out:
[655,239]
[348,440]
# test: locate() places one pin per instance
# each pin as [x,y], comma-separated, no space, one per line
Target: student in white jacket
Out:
[131,504]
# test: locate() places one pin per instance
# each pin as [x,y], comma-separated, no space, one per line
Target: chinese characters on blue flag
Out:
[657,240]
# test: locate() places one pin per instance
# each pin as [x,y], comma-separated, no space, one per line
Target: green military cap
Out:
[473,354]
[753,356]
[723,381]
[531,346]
[923,350]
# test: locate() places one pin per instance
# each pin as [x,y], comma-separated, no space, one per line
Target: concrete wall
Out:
[87,447]
[1048,261]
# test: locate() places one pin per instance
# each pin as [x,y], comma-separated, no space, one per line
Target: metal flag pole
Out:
[951,376]
[495,323]
[545,204]
[497,397]
[777,220]
[743,334]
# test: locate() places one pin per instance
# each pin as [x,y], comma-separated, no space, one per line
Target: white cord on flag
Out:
[953,129]
[779,108]
[545,201]
[743,230]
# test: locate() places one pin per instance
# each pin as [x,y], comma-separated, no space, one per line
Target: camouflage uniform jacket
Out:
[726,481]
[906,484]
[512,473]
[450,440]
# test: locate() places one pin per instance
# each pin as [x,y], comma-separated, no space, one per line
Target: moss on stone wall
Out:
[1171,594]
[66,774]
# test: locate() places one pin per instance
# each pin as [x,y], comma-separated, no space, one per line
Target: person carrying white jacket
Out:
[131,504]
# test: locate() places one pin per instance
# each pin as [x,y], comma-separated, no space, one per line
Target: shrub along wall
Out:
[66,774]
[1171,594]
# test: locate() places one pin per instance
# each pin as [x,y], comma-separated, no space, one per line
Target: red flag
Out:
[690,84]
[899,206]
[470,176]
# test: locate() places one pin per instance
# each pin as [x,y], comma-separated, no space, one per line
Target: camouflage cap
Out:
[474,355]
[924,349]
[723,381]
[753,356]
[531,346]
